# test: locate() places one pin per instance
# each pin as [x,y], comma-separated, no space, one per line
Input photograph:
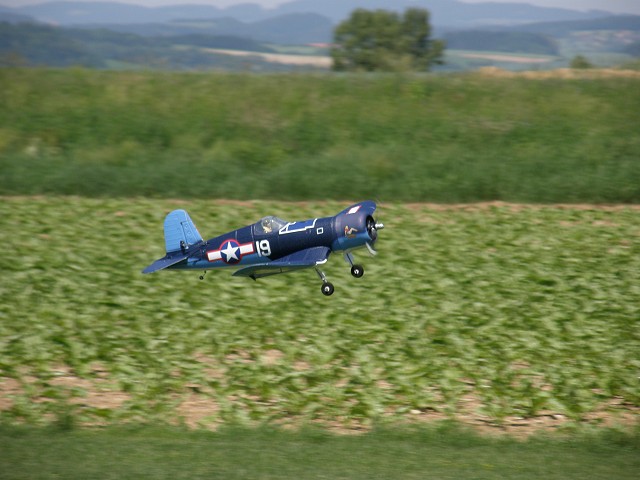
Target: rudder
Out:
[180,232]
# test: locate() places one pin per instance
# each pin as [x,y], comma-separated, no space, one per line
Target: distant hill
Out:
[607,34]
[512,42]
[12,17]
[117,35]
[296,28]
[31,44]
[453,13]
[632,49]
[43,45]
[564,28]
[446,12]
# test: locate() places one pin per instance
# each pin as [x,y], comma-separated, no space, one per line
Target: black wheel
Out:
[327,288]
[357,271]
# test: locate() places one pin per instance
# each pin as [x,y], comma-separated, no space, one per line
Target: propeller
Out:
[372,230]
[378,226]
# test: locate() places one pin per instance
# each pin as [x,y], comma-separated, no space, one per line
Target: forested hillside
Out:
[514,42]
[41,45]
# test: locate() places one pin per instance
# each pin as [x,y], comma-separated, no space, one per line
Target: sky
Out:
[616,6]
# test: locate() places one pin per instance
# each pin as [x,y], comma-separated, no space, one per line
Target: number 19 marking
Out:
[263,247]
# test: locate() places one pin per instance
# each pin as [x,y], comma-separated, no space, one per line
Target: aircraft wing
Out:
[165,263]
[296,261]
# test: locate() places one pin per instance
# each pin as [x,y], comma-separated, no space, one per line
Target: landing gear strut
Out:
[327,287]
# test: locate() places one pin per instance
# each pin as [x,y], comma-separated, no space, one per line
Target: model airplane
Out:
[271,245]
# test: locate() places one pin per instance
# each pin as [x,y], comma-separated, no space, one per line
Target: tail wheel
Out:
[327,288]
[357,271]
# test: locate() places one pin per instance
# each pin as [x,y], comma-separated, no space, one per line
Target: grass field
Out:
[443,138]
[517,316]
[426,453]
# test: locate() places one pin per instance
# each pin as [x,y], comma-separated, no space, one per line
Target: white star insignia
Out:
[230,252]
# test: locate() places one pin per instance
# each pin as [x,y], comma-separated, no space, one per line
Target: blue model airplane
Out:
[271,245]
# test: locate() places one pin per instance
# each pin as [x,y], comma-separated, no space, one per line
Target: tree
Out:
[416,32]
[380,40]
[580,62]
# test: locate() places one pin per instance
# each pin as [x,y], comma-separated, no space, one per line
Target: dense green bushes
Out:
[405,138]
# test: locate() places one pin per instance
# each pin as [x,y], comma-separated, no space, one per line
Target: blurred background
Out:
[261,35]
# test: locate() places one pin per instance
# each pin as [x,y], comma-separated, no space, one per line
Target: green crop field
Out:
[443,138]
[501,317]
[498,315]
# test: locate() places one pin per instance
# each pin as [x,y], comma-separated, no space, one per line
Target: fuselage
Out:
[272,238]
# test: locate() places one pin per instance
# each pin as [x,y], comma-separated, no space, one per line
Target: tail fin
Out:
[180,232]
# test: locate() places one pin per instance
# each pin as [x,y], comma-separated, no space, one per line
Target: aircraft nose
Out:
[373,227]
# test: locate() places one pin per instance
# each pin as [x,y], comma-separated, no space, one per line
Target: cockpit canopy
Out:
[269,224]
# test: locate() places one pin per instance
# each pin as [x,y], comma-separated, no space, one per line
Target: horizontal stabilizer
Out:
[296,261]
[165,262]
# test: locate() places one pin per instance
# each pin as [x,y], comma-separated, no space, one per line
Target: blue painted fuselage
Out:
[270,246]
[252,245]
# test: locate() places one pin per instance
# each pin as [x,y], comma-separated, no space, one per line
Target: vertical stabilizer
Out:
[180,232]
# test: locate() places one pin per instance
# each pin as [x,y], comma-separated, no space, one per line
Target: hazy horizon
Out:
[615,6]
